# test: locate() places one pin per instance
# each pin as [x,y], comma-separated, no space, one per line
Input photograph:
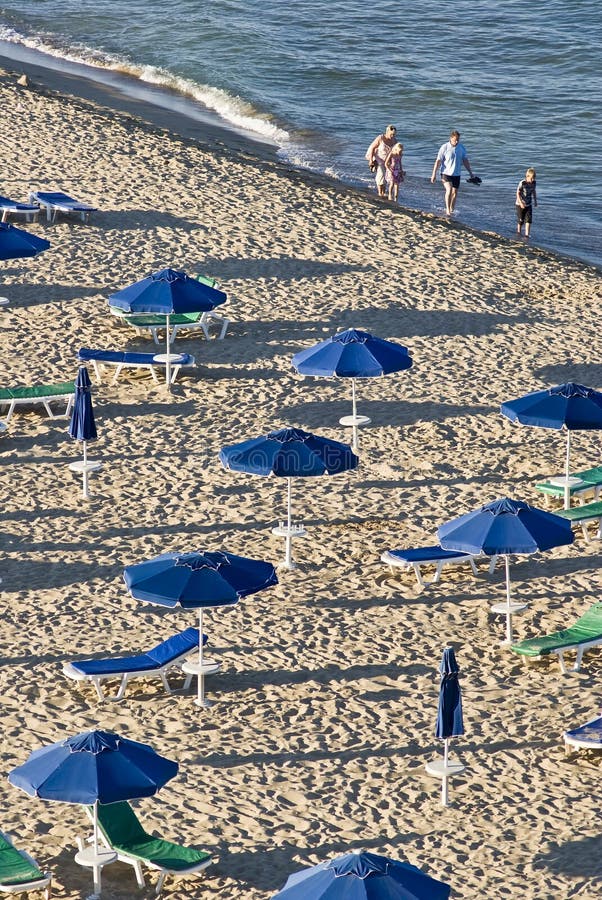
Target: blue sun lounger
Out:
[166,655]
[11,207]
[416,557]
[122,359]
[55,202]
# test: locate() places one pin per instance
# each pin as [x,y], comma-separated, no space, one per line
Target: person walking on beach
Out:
[394,170]
[526,199]
[451,157]
[377,153]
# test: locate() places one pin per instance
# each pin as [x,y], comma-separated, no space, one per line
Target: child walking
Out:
[393,170]
[526,199]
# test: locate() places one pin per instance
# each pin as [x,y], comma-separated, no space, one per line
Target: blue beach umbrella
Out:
[506,527]
[16,243]
[165,293]
[289,453]
[450,722]
[82,426]
[353,354]
[567,407]
[362,876]
[91,768]
[198,580]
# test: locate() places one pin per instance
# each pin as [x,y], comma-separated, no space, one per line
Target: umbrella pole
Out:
[86,493]
[288,554]
[444,785]
[200,699]
[355,439]
[168,359]
[509,611]
[567,492]
[96,869]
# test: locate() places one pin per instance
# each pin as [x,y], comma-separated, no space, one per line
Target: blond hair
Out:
[530,172]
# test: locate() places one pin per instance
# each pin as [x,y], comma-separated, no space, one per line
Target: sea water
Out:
[521,81]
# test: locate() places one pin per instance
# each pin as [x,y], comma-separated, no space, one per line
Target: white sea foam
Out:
[233,109]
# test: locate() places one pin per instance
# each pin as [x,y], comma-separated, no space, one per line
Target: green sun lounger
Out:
[580,483]
[19,873]
[582,515]
[122,832]
[41,393]
[583,635]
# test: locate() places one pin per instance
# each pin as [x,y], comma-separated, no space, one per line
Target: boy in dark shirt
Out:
[526,199]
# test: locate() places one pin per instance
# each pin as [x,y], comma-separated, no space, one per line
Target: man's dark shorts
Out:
[524,216]
[454,180]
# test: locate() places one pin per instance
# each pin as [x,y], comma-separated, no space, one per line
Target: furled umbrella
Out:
[353,354]
[165,293]
[503,528]
[362,876]
[567,407]
[450,722]
[91,768]
[289,453]
[82,426]
[198,580]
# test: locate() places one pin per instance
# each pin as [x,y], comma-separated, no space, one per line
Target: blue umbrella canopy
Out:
[16,243]
[167,292]
[353,354]
[289,453]
[362,876]
[571,406]
[505,526]
[96,766]
[194,580]
[82,426]
[450,722]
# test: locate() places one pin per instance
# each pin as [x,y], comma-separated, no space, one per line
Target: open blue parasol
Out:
[289,453]
[567,407]
[362,876]
[91,768]
[505,527]
[165,293]
[198,580]
[16,243]
[353,354]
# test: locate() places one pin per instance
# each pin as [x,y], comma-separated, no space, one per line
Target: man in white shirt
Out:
[451,157]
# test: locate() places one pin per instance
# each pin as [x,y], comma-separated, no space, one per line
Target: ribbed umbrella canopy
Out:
[289,453]
[16,243]
[571,406]
[353,354]
[167,292]
[362,876]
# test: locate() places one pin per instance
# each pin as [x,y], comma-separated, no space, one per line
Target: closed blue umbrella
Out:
[16,243]
[450,722]
[91,768]
[200,581]
[568,407]
[165,293]
[82,426]
[362,876]
[505,527]
[353,354]
[289,453]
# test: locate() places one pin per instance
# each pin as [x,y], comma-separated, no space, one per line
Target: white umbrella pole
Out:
[355,441]
[288,554]
[200,678]
[86,493]
[444,785]
[168,360]
[509,612]
[567,493]
[96,869]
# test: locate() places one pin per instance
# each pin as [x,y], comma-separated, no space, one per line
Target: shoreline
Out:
[80,88]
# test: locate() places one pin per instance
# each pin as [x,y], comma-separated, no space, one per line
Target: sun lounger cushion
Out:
[18,868]
[10,206]
[58,200]
[426,554]
[586,632]
[34,394]
[126,359]
[588,480]
[588,736]
[582,513]
[161,655]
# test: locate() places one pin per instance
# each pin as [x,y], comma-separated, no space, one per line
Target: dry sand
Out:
[325,707]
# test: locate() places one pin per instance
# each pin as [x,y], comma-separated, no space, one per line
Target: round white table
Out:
[95,860]
[193,667]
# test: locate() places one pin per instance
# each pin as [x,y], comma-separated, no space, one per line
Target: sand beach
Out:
[326,702]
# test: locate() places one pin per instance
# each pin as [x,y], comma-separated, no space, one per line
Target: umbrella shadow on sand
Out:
[316,414]
[581,373]
[286,268]
[578,859]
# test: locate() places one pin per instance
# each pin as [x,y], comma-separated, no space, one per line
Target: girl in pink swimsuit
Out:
[394,171]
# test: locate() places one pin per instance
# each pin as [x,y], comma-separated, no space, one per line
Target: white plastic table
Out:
[95,860]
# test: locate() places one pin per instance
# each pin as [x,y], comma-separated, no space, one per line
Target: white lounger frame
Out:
[13,211]
[40,884]
[580,648]
[395,562]
[570,741]
[151,366]
[45,401]
[53,209]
